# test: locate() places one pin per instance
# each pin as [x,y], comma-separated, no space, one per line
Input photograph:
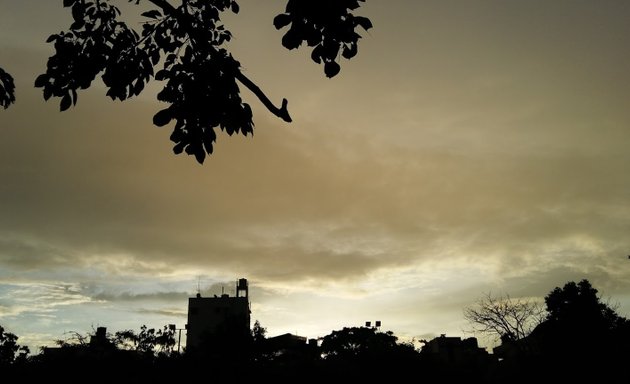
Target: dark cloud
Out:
[30,254]
[474,161]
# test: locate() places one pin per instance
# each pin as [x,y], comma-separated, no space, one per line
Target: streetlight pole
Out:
[179,339]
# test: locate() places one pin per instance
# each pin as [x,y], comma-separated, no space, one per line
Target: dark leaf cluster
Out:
[329,26]
[354,342]
[184,46]
[148,341]
[200,80]
[7,89]
[96,42]
[200,75]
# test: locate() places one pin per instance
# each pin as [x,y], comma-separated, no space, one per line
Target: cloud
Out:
[475,167]
[167,312]
[39,299]
[143,297]
[23,253]
[335,215]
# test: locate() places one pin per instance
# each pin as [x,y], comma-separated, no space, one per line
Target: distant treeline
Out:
[580,338]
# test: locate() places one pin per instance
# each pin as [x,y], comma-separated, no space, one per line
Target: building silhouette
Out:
[218,320]
[454,350]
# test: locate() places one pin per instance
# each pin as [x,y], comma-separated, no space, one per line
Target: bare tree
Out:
[502,316]
[74,339]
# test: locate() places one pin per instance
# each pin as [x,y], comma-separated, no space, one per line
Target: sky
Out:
[470,147]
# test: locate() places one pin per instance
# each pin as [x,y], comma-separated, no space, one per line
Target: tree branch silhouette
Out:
[281,112]
[165,5]
[185,47]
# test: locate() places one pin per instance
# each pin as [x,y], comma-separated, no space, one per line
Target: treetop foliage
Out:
[328,26]
[578,305]
[352,342]
[10,351]
[184,46]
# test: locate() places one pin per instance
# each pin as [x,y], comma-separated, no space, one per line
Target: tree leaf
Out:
[316,55]
[138,87]
[162,118]
[281,20]
[77,25]
[7,91]
[66,101]
[41,80]
[161,74]
[152,14]
[331,68]
[363,22]
[200,155]
[179,148]
[354,4]
[47,93]
[349,51]
[291,40]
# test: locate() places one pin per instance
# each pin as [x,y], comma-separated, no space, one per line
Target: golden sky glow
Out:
[470,146]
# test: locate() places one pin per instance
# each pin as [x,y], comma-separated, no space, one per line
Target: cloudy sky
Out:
[470,147]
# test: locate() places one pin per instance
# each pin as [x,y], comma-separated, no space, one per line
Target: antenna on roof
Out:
[198,286]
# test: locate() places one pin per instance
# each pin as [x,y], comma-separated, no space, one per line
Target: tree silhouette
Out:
[363,353]
[358,343]
[578,319]
[184,46]
[10,350]
[577,304]
[503,316]
[258,332]
[148,341]
[581,337]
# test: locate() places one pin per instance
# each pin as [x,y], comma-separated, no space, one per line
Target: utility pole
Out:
[179,339]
